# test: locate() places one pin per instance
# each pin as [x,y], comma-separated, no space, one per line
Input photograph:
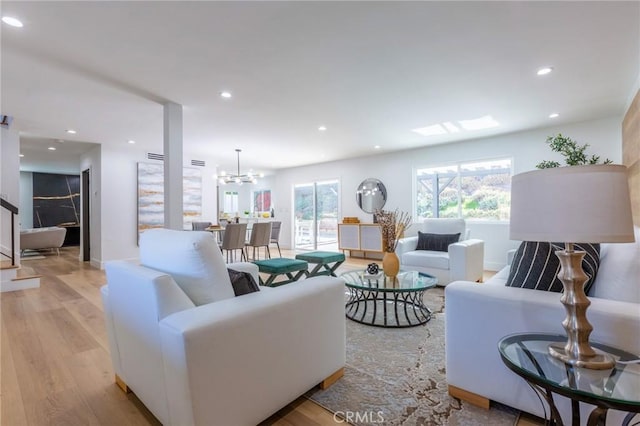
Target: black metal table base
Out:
[387,309]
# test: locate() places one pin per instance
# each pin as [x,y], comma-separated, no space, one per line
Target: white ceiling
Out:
[369,71]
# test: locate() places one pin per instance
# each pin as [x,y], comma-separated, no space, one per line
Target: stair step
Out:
[19,284]
[4,266]
[26,277]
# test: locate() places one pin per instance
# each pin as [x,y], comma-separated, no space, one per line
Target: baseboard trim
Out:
[470,397]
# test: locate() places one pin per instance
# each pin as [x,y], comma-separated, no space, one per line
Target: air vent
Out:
[198,163]
[153,156]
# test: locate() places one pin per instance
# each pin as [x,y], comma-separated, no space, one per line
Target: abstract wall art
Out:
[151,196]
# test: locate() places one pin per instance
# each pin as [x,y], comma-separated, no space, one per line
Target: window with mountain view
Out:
[471,190]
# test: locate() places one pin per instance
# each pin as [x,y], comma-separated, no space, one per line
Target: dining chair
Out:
[260,237]
[200,226]
[275,235]
[234,239]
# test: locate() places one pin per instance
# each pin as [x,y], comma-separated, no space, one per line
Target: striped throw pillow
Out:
[536,266]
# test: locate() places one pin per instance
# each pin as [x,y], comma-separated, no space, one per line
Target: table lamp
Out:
[576,204]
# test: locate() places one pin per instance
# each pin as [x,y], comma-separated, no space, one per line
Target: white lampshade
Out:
[576,204]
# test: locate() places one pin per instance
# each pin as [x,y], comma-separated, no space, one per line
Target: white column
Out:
[173,166]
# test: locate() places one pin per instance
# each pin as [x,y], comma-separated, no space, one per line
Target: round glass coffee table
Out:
[377,300]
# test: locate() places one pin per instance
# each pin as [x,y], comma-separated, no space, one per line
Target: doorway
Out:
[316,212]
[86,235]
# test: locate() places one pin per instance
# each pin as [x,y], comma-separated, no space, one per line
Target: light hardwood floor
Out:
[54,361]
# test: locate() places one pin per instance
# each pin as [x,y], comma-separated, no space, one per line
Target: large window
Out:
[472,190]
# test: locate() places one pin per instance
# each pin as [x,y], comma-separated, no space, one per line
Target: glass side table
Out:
[619,388]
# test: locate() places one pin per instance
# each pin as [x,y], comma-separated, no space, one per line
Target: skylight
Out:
[485,122]
[436,129]
[449,127]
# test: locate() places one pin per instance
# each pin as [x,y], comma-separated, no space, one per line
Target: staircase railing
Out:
[14,212]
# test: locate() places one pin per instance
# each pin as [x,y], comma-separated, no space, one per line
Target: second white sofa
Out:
[479,315]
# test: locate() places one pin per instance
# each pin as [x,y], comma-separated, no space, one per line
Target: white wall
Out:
[26,200]
[395,170]
[92,160]
[9,186]
[119,200]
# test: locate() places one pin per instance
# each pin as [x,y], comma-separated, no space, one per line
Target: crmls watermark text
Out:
[358,417]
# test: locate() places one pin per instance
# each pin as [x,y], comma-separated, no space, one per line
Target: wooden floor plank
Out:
[90,318]
[94,375]
[80,282]
[11,406]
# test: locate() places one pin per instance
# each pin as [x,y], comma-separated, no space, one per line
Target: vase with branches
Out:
[393,224]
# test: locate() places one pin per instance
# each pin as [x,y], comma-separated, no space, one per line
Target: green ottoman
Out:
[323,261]
[281,266]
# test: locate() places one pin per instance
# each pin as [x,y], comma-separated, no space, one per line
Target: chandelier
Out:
[238,178]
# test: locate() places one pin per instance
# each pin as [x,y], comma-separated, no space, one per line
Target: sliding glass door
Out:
[316,210]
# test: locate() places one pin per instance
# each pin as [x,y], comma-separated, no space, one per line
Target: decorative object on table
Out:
[238,178]
[393,224]
[581,204]
[372,271]
[350,219]
[373,268]
[574,155]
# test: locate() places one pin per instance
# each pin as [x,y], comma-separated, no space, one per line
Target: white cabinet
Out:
[361,237]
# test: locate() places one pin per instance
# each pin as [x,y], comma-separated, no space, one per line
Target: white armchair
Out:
[230,361]
[463,260]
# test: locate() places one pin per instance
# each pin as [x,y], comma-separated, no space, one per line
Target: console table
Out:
[527,355]
[360,237]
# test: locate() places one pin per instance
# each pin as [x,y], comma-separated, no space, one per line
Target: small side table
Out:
[619,388]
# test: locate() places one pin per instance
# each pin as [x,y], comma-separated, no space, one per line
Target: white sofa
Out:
[463,261]
[233,361]
[479,315]
[50,237]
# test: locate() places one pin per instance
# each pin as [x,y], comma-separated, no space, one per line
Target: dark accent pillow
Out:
[536,266]
[436,242]
[242,282]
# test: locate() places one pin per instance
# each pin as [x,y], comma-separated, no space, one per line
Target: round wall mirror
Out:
[371,195]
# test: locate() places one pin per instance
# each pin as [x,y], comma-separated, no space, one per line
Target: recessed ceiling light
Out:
[21,155]
[71,131]
[225,94]
[485,122]
[554,115]
[131,141]
[322,128]
[434,130]
[545,70]
[12,21]
[52,148]
[376,147]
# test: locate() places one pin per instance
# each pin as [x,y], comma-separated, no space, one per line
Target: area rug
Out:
[397,377]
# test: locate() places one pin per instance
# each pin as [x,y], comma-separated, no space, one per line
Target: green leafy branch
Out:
[573,153]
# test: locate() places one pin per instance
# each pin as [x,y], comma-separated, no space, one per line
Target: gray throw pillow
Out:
[536,266]
[436,242]
[242,282]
